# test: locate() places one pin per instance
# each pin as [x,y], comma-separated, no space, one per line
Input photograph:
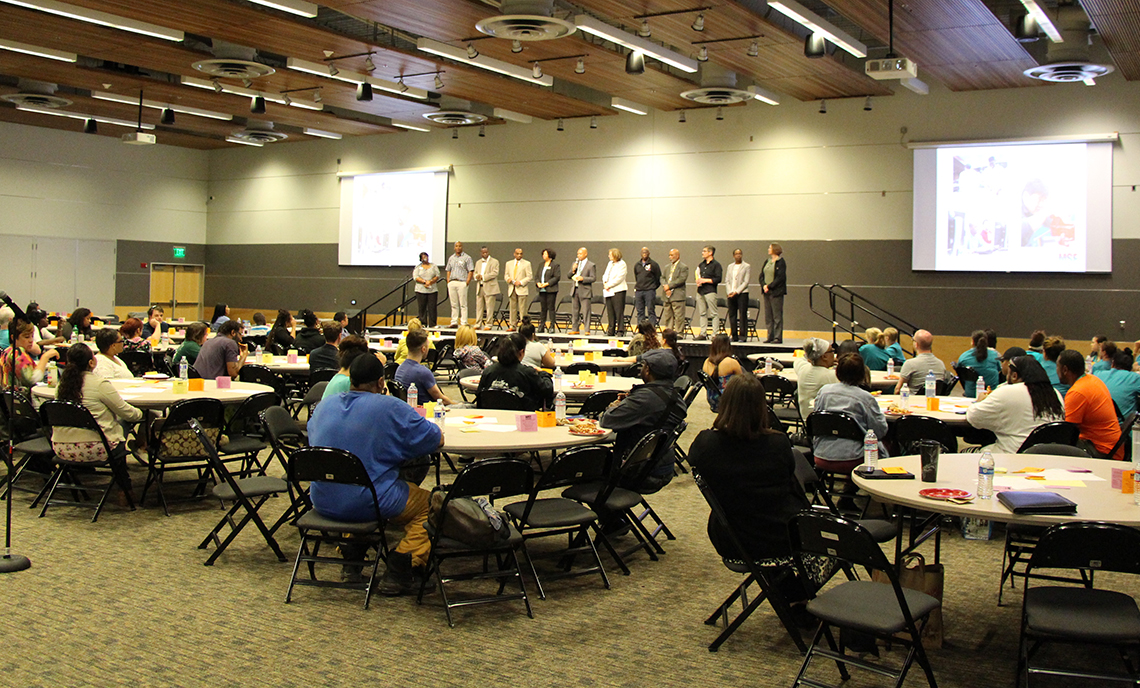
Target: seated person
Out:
[221,316]
[536,353]
[155,322]
[281,336]
[655,404]
[341,318]
[1089,404]
[840,454]
[852,346]
[6,317]
[132,341]
[107,362]
[914,370]
[1122,383]
[78,323]
[1104,356]
[79,382]
[259,326]
[413,372]
[348,350]
[982,359]
[195,338]
[894,349]
[467,352]
[309,337]
[28,371]
[644,340]
[44,337]
[325,356]
[225,354]
[402,347]
[1053,348]
[874,352]
[1036,347]
[813,371]
[670,340]
[1014,409]
[384,433]
[535,387]
[720,366]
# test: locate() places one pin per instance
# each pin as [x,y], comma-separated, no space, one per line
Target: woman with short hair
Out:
[402,345]
[131,329]
[549,274]
[426,275]
[613,289]
[840,454]
[813,371]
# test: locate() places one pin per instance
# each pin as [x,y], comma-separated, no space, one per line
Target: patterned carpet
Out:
[127,601]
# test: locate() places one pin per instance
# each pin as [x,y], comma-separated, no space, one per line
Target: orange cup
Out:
[601,376]
[546,419]
[196,384]
[931,403]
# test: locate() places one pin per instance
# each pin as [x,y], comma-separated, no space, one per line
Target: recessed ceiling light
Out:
[435,47]
[80,115]
[157,105]
[234,139]
[354,78]
[412,127]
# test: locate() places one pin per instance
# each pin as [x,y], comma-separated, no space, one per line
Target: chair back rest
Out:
[613,352]
[248,413]
[211,452]
[1088,545]
[1125,441]
[910,429]
[397,390]
[313,396]
[390,369]
[1052,448]
[575,368]
[26,423]
[494,478]
[831,535]
[331,465]
[778,389]
[641,458]
[193,374]
[177,439]
[322,375]
[502,399]
[139,362]
[682,384]
[259,374]
[943,387]
[1057,432]
[718,513]
[597,403]
[69,414]
[694,389]
[444,356]
[965,373]
[575,466]
[279,424]
[833,424]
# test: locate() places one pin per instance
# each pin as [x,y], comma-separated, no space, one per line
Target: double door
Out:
[178,289]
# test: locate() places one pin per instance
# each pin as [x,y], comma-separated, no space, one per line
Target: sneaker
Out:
[397,578]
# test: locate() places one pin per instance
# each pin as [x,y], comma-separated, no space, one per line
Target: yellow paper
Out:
[1029,469]
[894,470]
[469,430]
[1035,477]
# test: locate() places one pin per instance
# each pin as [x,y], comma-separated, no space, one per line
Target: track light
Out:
[167,116]
[823,107]
[516,46]
[364,91]
[560,126]
[754,49]
[699,22]
[257,105]
[454,133]
[288,100]
[720,114]
[472,51]
[317,96]
[537,71]
[403,86]
[681,117]
[644,31]
[438,82]
[90,127]
[867,104]
[635,62]
[369,65]
[703,54]
[333,71]
[247,83]
[594,122]
[217,85]
[815,45]
[482,130]
[580,67]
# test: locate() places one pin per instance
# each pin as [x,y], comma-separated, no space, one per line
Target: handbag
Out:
[472,521]
[916,574]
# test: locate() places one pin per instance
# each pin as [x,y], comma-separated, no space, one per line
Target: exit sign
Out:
[180,252]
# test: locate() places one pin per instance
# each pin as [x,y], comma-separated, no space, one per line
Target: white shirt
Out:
[809,379]
[112,368]
[736,278]
[613,279]
[1008,412]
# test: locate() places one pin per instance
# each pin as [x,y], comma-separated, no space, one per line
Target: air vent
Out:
[37,100]
[715,95]
[233,69]
[259,132]
[1068,61]
[526,20]
[1065,72]
[455,117]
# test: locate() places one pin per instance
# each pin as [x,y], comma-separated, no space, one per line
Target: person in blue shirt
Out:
[1052,349]
[384,433]
[1122,383]
[894,349]
[874,352]
[1104,358]
[413,372]
[1037,345]
[982,359]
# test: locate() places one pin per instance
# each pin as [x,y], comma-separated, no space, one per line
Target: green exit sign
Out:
[180,252]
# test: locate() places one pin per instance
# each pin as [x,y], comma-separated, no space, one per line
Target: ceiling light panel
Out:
[297,7]
[80,115]
[183,109]
[412,127]
[764,95]
[101,18]
[354,78]
[248,93]
[1043,20]
[322,134]
[615,35]
[512,116]
[489,63]
[629,106]
[797,12]
[17,47]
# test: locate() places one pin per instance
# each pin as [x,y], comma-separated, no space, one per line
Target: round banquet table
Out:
[613,382]
[951,410]
[486,432]
[145,394]
[1093,493]
[879,378]
[603,362]
[281,364]
[786,358]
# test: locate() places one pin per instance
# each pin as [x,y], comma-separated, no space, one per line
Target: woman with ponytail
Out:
[982,359]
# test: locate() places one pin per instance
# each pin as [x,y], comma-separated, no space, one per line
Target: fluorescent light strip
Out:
[764,95]
[80,115]
[413,127]
[297,7]
[17,47]
[355,78]
[629,106]
[813,21]
[615,35]
[101,18]
[916,85]
[489,63]
[322,134]
[1043,20]
[115,98]
[512,116]
[248,93]
[234,139]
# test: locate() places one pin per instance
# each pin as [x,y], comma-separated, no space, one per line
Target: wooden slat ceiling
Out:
[1118,23]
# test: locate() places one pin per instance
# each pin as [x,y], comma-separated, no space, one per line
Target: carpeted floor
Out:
[127,601]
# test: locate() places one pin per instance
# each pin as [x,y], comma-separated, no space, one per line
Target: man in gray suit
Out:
[674,277]
[486,288]
[583,275]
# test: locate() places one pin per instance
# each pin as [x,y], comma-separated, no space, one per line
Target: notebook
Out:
[1032,502]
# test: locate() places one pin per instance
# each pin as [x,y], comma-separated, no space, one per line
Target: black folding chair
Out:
[575,368]
[335,466]
[322,375]
[911,429]
[245,434]
[174,447]
[285,437]
[29,441]
[821,424]
[1058,432]
[139,362]
[597,403]
[242,492]
[259,374]
[500,399]
[397,390]
[783,398]
[889,612]
[496,478]
[68,414]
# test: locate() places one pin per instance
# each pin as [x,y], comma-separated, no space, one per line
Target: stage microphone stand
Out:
[11,563]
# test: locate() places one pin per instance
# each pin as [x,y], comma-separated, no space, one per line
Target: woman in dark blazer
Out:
[774,282]
[546,277]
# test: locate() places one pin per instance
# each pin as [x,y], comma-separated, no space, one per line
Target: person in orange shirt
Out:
[1089,405]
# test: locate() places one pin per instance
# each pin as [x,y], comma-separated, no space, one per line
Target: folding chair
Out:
[397,390]
[329,465]
[834,424]
[597,403]
[68,414]
[139,362]
[892,613]
[29,441]
[253,372]
[321,375]
[309,402]
[881,530]
[783,398]
[500,399]
[562,315]
[496,478]
[466,372]
[575,368]
[597,310]
[285,437]
[1082,616]
[911,429]
[246,434]
[753,308]
[242,492]
[1058,432]
[174,447]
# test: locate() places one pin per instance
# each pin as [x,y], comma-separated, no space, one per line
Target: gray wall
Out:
[132,281]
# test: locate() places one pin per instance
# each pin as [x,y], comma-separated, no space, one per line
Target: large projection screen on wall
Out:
[388,218]
[1013,207]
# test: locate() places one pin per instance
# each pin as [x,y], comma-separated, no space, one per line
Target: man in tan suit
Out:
[486,288]
[518,274]
[673,278]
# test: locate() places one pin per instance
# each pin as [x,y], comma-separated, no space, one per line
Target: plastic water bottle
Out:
[557,378]
[768,366]
[258,352]
[980,388]
[439,414]
[986,476]
[870,451]
[74,337]
[904,396]
[571,349]
[184,369]
[52,374]
[413,395]
[890,367]
[931,385]
[560,406]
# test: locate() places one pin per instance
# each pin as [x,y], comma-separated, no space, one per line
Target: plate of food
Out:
[585,426]
[896,410]
[944,493]
[581,385]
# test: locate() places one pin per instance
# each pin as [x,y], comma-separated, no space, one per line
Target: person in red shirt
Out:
[1089,405]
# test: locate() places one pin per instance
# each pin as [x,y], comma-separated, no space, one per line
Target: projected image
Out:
[1012,208]
[392,218]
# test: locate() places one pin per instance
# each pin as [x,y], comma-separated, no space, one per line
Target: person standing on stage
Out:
[675,277]
[583,275]
[646,279]
[709,275]
[549,274]
[519,275]
[486,288]
[774,281]
[736,278]
[426,275]
[460,269]
[613,289]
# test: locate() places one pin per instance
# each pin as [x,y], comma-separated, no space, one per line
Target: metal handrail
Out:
[852,304]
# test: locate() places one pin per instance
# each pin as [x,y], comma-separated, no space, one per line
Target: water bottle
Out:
[980,388]
[74,337]
[560,406]
[413,395]
[258,352]
[931,385]
[904,396]
[571,349]
[557,378]
[183,369]
[870,451]
[890,367]
[768,366]
[52,374]
[440,412]
[986,476]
